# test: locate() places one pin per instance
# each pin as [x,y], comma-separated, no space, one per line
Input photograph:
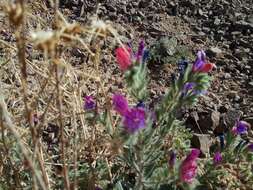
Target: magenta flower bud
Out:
[193,155]
[188,168]
[217,158]
[120,104]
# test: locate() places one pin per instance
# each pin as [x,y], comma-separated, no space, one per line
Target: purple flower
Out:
[120,104]
[250,147]
[140,51]
[89,103]
[97,188]
[189,86]
[201,55]
[172,159]
[241,127]
[201,64]
[145,55]
[188,168]
[217,158]
[140,104]
[134,120]
[200,61]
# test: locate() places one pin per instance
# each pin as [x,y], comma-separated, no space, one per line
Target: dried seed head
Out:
[45,40]
[72,30]
[16,13]
[101,27]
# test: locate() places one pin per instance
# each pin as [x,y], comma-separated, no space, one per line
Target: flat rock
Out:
[208,121]
[202,142]
[214,52]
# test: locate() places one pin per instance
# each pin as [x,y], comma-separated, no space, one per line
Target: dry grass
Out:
[42,86]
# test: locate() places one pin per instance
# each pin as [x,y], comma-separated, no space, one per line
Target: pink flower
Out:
[188,168]
[123,57]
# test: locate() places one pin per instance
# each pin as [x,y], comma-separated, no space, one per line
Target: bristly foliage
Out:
[145,152]
[137,81]
[168,51]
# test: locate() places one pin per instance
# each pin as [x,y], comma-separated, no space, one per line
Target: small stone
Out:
[249,120]
[231,117]
[237,98]
[200,12]
[232,94]
[217,21]
[235,33]
[223,109]
[251,83]
[209,121]
[214,51]
[227,76]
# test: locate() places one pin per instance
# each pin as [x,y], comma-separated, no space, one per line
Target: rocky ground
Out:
[223,28]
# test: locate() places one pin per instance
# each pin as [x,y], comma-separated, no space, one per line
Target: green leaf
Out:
[118,186]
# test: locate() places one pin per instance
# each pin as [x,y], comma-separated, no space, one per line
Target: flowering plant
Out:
[144,130]
[59,137]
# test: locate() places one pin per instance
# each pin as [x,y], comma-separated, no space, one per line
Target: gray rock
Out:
[202,142]
[231,117]
[209,120]
[215,51]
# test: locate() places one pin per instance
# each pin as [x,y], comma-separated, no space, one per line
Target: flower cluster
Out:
[240,128]
[134,119]
[196,81]
[201,64]
[188,168]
